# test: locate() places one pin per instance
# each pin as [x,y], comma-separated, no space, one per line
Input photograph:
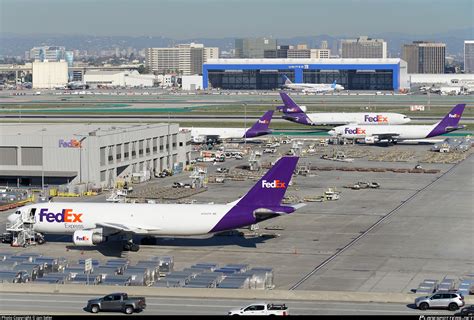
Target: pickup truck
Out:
[261,309]
[117,302]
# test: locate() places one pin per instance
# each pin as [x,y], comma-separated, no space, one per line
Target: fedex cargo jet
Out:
[295,113]
[91,223]
[312,87]
[260,128]
[393,134]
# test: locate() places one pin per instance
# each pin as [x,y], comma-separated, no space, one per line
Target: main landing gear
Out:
[130,246]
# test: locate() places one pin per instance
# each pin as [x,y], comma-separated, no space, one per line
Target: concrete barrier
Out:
[303,295]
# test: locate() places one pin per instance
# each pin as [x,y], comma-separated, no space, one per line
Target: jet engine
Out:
[88,237]
[370,140]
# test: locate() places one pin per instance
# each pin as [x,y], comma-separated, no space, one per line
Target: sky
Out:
[183,19]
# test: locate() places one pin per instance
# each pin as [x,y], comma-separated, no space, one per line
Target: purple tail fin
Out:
[289,105]
[263,201]
[292,111]
[271,188]
[260,127]
[449,122]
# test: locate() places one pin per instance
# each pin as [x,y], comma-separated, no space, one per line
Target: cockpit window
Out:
[17,212]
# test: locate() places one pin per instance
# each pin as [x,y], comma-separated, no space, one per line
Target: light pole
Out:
[42,161]
[80,156]
[245,124]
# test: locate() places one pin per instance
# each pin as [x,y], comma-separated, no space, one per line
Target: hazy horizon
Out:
[185,19]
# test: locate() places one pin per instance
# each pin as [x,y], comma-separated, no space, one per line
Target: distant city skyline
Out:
[184,19]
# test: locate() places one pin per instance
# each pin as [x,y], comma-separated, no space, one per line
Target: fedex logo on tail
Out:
[378,118]
[354,131]
[454,115]
[66,215]
[275,184]
[263,121]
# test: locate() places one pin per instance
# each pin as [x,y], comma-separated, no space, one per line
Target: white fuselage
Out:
[314,87]
[400,132]
[223,133]
[150,219]
[338,118]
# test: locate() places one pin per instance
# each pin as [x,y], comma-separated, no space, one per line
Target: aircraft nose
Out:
[332,132]
[11,218]
[407,119]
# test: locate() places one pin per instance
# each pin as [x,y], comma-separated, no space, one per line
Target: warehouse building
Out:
[49,74]
[266,74]
[133,79]
[36,155]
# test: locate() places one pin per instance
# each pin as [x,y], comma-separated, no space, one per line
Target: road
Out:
[25,303]
[165,117]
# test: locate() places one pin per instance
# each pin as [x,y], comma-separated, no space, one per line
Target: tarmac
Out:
[425,232]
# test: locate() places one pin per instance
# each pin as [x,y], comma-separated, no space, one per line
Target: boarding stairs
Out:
[22,230]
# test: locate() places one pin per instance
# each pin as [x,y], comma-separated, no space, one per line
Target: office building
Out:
[253,47]
[94,154]
[184,59]
[424,56]
[469,56]
[50,53]
[364,47]
[302,53]
[320,54]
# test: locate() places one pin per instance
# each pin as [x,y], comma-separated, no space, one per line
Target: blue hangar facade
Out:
[266,74]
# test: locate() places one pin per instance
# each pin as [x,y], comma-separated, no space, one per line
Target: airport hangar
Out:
[93,154]
[265,74]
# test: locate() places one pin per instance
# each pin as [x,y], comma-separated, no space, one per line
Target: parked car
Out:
[467,311]
[222,170]
[117,302]
[450,300]
[261,309]
[178,185]
[269,150]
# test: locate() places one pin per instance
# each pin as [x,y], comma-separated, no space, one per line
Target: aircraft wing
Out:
[126,228]
[269,212]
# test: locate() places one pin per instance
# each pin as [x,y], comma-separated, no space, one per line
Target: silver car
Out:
[450,300]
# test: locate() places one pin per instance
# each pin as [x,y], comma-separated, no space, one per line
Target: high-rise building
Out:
[469,56]
[324,44]
[299,53]
[50,53]
[280,53]
[320,53]
[424,56]
[185,59]
[253,47]
[364,47]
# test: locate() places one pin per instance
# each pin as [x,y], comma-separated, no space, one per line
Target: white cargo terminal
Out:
[95,78]
[49,74]
[93,154]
